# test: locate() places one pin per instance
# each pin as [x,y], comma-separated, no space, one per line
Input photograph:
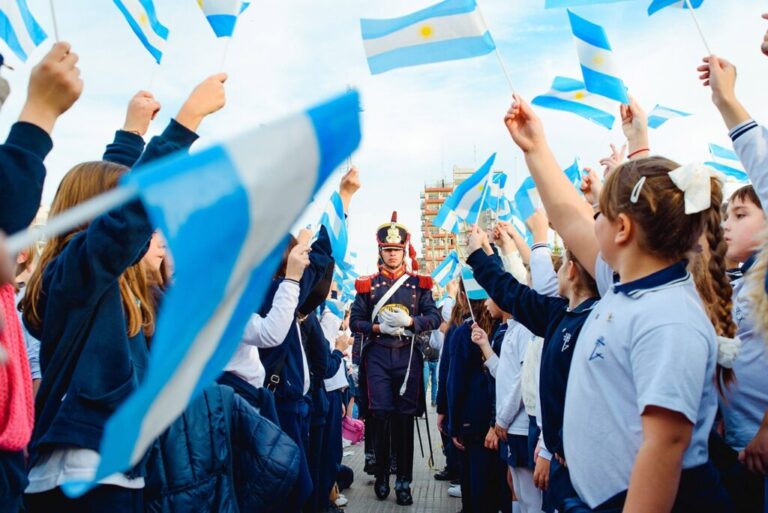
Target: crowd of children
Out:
[629,372]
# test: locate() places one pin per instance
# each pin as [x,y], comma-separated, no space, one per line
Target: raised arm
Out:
[54,86]
[570,215]
[128,144]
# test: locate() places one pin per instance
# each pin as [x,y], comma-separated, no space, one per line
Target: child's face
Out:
[606,231]
[156,252]
[493,309]
[742,229]
[563,283]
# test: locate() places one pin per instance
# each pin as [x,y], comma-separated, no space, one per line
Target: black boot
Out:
[403,492]
[381,448]
[370,441]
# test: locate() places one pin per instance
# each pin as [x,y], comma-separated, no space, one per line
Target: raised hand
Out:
[54,86]
[764,46]
[350,184]
[591,187]
[208,97]
[614,160]
[141,111]
[524,126]
[720,75]
[634,123]
[479,337]
[539,226]
[298,261]
[477,239]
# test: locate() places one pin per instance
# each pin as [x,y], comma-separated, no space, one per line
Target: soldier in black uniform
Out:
[391,307]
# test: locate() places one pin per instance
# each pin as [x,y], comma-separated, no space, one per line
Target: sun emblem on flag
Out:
[426,31]
[598,60]
[579,95]
[143,20]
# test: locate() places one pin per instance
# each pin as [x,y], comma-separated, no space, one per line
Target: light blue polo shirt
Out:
[746,399]
[646,343]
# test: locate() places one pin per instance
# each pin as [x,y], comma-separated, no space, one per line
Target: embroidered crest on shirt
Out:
[596,351]
[566,342]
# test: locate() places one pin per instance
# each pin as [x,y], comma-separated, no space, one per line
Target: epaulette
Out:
[363,285]
[425,282]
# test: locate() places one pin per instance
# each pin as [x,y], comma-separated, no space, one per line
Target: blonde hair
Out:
[757,287]
[81,183]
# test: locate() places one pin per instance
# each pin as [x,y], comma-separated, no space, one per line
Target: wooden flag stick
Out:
[498,54]
[224,55]
[55,23]
[698,25]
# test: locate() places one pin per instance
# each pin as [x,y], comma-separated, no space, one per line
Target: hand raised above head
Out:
[142,109]
[208,97]
[524,126]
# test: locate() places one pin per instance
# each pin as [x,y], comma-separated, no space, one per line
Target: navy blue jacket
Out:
[22,174]
[415,295]
[442,372]
[470,388]
[546,317]
[89,364]
[220,455]
[290,390]
[323,364]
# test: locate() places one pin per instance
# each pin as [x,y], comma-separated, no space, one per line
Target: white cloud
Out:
[418,122]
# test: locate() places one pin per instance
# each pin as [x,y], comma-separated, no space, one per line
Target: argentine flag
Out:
[596,57]
[447,220]
[570,95]
[335,222]
[509,213]
[727,162]
[657,5]
[448,269]
[227,210]
[553,4]
[465,200]
[450,30]
[142,17]
[473,289]
[222,14]
[660,115]
[19,29]
[527,198]
[574,173]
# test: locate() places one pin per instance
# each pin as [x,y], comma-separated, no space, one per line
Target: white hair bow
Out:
[694,181]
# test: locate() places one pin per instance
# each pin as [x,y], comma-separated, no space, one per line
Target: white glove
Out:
[388,329]
[397,318]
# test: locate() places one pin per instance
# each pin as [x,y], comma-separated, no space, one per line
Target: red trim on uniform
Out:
[363,285]
[425,282]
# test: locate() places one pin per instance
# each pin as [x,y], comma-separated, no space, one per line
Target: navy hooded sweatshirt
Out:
[89,363]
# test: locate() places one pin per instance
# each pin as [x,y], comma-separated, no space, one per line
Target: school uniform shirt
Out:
[543,275]
[746,400]
[510,410]
[264,332]
[330,323]
[646,343]
[529,375]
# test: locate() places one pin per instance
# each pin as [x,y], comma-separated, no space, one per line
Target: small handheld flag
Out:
[450,30]
[222,14]
[657,5]
[473,289]
[660,115]
[242,195]
[727,162]
[19,29]
[554,4]
[596,57]
[446,219]
[467,197]
[571,95]
[448,269]
[142,17]
[335,222]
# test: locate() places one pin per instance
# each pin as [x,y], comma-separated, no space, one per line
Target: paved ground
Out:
[429,496]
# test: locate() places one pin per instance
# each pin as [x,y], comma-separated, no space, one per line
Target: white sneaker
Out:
[341,500]
[455,491]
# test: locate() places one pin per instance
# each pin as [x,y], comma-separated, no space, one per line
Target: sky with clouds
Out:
[417,122]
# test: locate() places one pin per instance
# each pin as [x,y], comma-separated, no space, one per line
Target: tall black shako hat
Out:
[396,235]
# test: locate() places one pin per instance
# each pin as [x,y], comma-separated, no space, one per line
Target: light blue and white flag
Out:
[336,224]
[142,17]
[467,198]
[19,29]
[336,307]
[222,14]
[495,190]
[660,115]
[448,269]
[727,162]
[225,209]
[657,5]
[574,172]
[555,4]
[450,30]
[570,95]
[473,289]
[446,219]
[527,198]
[509,212]
[596,56]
